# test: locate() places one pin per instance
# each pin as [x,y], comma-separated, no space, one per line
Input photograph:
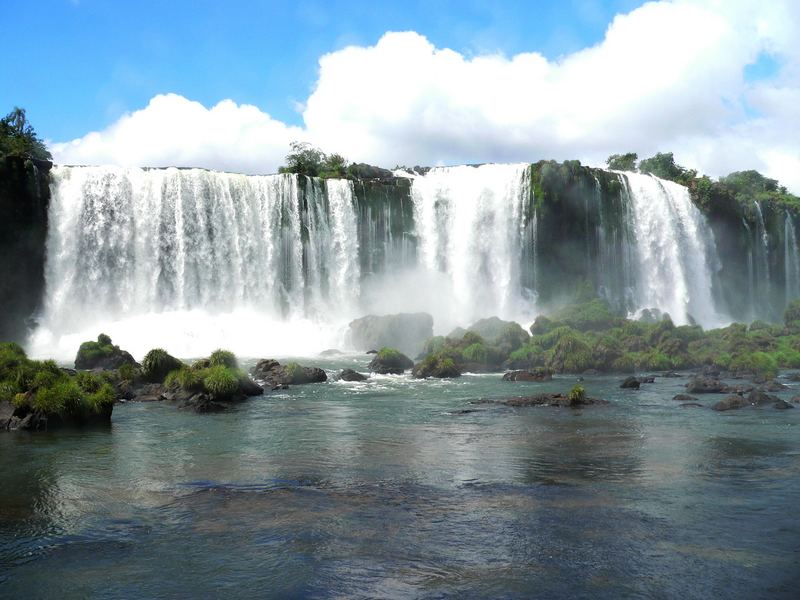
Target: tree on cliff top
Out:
[305,159]
[663,165]
[622,162]
[18,138]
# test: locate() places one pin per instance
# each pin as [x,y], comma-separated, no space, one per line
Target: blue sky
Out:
[228,85]
[86,62]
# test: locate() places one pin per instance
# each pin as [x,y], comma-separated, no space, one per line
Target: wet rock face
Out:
[630,383]
[731,402]
[702,384]
[351,375]
[276,375]
[390,362]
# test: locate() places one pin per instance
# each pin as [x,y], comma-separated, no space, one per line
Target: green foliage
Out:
[791,317]
[577,395]
[594,315]
[390,355]
[305,159]
[475,353]
[90,353]
[622,162]
[292,370]
[220,381]
[186,378]
[224,358]
[663,165]
[759,364]
[18,138]
[127,372]
[158,363]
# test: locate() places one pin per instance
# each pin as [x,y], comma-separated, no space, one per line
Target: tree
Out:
[305,159]
[663,165]
[17,137]
[622,162]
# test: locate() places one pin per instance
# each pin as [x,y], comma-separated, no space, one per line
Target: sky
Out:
[228,85]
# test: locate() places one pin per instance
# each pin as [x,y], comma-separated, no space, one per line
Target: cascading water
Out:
[791,258]
[192,260]
[195,259]
[674,250]
[473,227]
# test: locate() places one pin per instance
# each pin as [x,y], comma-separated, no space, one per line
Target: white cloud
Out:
[667,76]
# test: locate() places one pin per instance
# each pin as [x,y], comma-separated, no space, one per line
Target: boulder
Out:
[782,405]
[700,384]
[275,374]
[774,386]
[389,361]
[537,374]
[351,375]
[759,397]
[102,354]
[691,405]
[405,331]
[630,383]
[647,379]
[684,398]
[731,402]
[437,367]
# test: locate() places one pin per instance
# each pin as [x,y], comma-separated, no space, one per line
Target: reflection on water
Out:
[384,489]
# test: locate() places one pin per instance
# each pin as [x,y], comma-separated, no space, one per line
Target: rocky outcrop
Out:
[275,374]
[25,419]
[389,361]
[102,354]
[405,331]
[731,402]
[351,375]
[701,384]
[551,399]
[630,383]
[436,367]
[538,374]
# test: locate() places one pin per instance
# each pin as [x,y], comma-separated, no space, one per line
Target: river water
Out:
[385,489]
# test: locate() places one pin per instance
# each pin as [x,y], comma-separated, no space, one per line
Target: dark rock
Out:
[405,331]
[731,402]
[203,403]
[782,405]
[774,386]
[390,362]
[547,399]
[706,385]
[684,398]
[102,354]
[691,404]
[351,375]
[372,351]
[630,383]
[248,387]
[759,397]
[647,379]
[273,373]
[437,367]
[538,374]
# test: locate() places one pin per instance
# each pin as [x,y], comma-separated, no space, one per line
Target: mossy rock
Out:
[157,364]
[102,354]
[389,361]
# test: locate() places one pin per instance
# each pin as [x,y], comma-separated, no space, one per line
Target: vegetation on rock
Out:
[102,354]
[18,138]
[157,364]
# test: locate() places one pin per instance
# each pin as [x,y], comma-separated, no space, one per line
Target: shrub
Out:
[221,381]
[475,353]
[577,395]
[224,358]
[185,378]
[127,372]
[157,364]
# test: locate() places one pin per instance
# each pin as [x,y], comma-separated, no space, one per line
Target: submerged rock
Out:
[630,383]
[774,386]
[782,405]
[684,398]
[351,375]
[537,374]
[691,405]
[759,397]
[731,402]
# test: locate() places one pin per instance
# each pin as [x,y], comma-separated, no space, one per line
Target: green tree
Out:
[663,165]
[305,159]
[17,137]
[622,162]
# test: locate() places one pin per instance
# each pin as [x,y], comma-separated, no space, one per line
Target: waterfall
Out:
[673,248]
[194,251]
[791,258]
[473,225]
